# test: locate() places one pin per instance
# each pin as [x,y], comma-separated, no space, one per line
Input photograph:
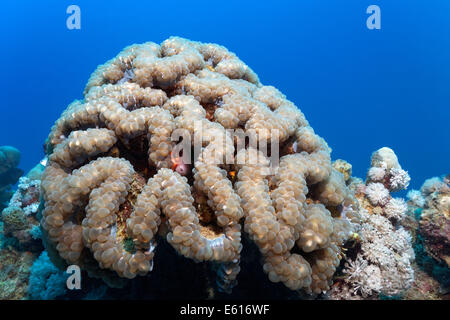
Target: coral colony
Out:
[110,174]
[383,263]
[180,145]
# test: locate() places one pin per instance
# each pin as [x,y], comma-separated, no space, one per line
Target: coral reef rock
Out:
[435,218]
[9,173]
[424,287]
[20,236]
[114,185]
[14,271]
[20,218]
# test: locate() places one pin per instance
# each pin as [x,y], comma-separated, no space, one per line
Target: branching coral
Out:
[114,174]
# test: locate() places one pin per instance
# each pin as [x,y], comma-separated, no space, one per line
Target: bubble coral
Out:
[111,175]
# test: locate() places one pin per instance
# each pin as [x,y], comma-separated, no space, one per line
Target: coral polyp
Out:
[115,186]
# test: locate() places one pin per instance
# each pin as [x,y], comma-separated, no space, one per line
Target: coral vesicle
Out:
[111,187]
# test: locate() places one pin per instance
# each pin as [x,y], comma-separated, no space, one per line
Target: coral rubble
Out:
[114,185]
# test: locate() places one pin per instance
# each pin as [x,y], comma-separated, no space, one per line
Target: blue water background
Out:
[360,89]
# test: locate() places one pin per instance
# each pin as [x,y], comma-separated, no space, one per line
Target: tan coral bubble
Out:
[112,183]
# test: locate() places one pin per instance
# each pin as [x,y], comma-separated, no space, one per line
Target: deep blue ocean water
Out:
[360,89]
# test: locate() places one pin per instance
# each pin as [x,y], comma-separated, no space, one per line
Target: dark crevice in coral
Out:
[136,153]
[287,147]
[174,275]
[133,106]
[297,250]
[210,108]
[334,211]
